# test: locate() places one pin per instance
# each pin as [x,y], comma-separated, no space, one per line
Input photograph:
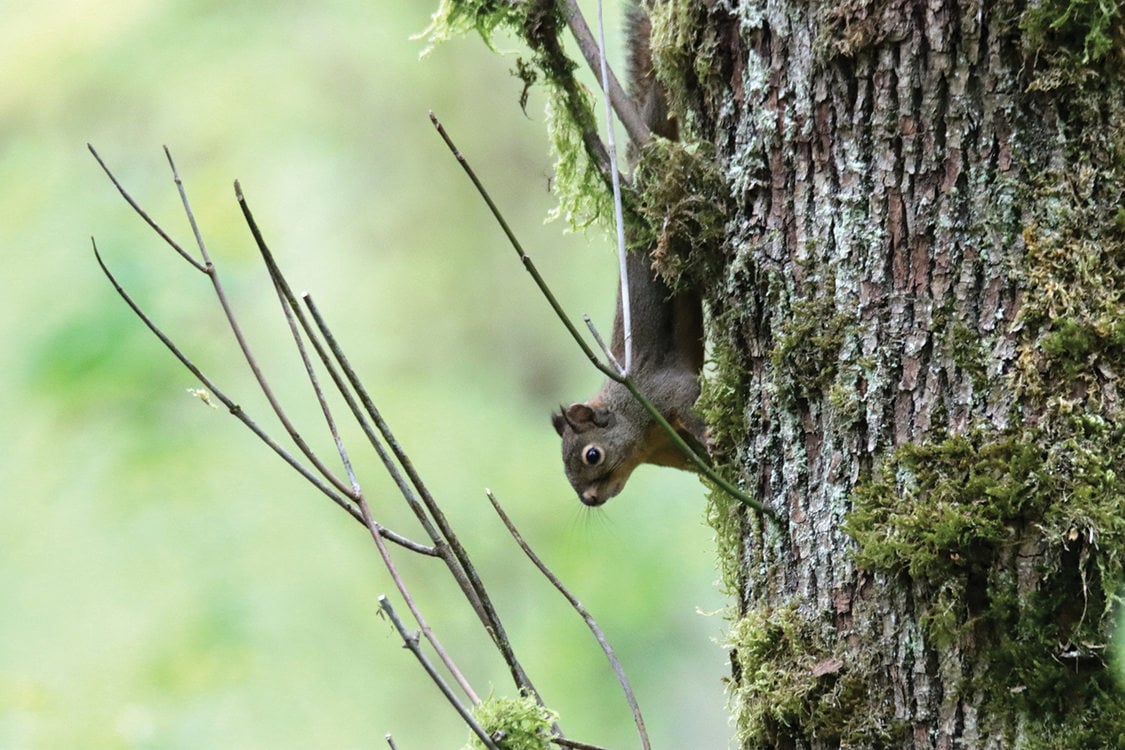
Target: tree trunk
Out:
[916,308]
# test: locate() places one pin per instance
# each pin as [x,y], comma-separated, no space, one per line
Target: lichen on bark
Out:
[918,358]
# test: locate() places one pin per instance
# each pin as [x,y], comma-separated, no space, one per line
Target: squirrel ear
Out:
[582,417]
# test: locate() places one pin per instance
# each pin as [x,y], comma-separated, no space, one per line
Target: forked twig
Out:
[357,508]
[411,643]
[360,509]
[240,414]
[701,465]
[292,312]
[312,328]
[584,613]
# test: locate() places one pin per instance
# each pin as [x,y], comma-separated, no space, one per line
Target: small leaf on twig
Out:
[203,395]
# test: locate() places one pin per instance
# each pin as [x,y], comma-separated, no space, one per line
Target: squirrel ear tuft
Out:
[558,420]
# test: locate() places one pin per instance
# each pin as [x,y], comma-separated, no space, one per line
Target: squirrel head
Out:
[597,454]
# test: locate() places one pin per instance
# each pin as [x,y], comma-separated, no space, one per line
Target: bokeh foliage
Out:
[166,582]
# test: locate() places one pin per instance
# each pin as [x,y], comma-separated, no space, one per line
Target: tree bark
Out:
[917,327]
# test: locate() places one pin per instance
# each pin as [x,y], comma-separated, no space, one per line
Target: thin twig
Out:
[575,744]
[618,212]
[141,212]
[701,465]
[400,584]
[459,563]
[591,623]
[446,544]
[292,311]
[238,412]
[531,269]
[207,268]
[601,343]
[411,643]
[244,345]
[329,363]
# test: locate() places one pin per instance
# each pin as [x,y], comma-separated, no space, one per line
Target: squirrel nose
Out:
[590,497]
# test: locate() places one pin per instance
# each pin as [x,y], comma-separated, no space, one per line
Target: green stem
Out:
[702,465]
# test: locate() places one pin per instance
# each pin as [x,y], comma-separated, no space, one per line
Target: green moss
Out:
[1074,315]
[806,355]
[514,724]
[1043,672]
[851,26]
[955,518]
[936,510]
[455,18]
[789,687]
[579,182]
[1090,28]
[1074,345]
[684,200]
[721,404]
[684,55]
[580,179]
[966,348]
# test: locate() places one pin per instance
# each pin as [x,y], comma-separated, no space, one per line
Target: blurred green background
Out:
[166,581]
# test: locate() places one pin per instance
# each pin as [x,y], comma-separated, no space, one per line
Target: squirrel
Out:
[608,436]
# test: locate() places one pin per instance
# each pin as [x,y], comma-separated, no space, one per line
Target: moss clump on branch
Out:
[455,18]
[514,724]
[579,183]
[581,173]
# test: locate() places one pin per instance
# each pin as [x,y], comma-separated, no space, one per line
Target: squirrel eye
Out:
[592,455]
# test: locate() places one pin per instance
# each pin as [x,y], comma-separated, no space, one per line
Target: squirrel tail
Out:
[645,90]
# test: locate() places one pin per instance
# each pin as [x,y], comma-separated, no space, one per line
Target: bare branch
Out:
[458,562]
[400,584]
[208,266]
[701,465]
[238,412]
[141,212]
[523,256]
[411,643]
[622,103]
[292,312]
[591,623]
[446,544]
[244,345]
[289,308]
